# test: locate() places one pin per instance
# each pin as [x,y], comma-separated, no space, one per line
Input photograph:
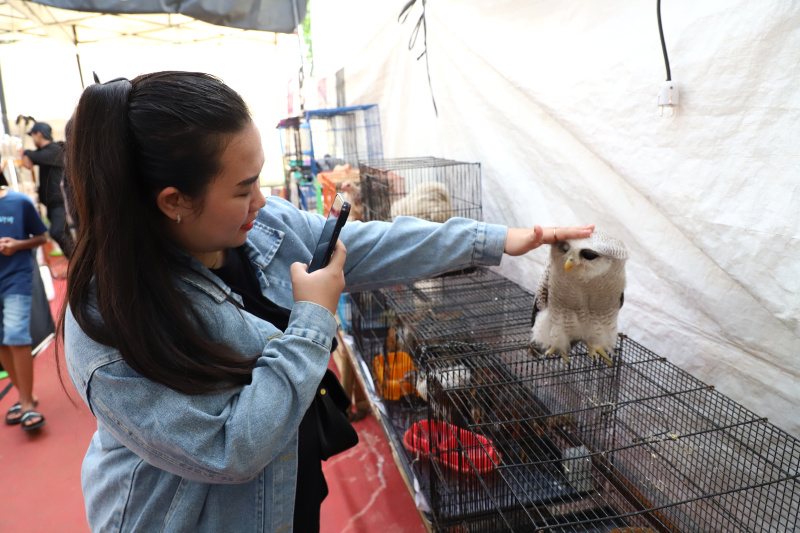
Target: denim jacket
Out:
[226,461]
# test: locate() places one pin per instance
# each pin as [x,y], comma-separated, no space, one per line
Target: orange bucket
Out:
[389,371]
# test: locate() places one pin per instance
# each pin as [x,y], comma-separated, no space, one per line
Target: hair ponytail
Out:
[128,140]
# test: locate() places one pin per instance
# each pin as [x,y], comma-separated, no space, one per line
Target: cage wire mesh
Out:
[483,306]
[298,177]
[345,135]
[341,137]
[398,331]
[503,440]
[426,187]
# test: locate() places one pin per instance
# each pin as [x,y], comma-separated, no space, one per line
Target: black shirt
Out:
[51,167]
[238,274]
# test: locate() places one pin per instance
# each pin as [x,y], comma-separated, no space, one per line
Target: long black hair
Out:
[129,140]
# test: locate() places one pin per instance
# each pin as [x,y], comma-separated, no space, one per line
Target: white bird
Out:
[580,295]
[449,377]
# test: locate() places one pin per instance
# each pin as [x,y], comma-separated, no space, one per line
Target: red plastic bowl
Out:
[453,446]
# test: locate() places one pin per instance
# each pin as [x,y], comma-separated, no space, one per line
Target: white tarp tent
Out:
[557,101]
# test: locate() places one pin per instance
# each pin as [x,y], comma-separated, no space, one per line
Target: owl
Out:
[579,296]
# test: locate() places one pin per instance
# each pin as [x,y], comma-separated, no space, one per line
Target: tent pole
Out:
[78,55]
[6,128]
[301,74]
[80,70]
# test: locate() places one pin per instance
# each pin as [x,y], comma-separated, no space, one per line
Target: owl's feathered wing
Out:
[540,308]
[540,300]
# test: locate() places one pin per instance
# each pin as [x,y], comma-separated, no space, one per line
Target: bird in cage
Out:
[403,336]
[428,200]
[351,192]
[504,408]
[448,377]
[467,397]
[579,296]
[400,334]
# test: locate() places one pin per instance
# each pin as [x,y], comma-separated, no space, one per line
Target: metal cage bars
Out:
[576,447]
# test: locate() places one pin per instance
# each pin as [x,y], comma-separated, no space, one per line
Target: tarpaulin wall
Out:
[557,101]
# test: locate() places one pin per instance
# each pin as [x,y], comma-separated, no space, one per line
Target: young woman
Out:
[194,333]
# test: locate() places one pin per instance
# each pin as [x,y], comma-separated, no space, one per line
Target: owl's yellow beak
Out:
[570,264]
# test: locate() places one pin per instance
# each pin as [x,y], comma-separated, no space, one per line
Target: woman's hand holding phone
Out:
[323,287]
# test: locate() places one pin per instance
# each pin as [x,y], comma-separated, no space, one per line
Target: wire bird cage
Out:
[318,142]
[398,331]
[340,138]
[345,135]
[502,440]
[298,176]
[426,187]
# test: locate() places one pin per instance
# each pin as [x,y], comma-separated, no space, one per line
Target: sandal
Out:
[27,415]
[17,408]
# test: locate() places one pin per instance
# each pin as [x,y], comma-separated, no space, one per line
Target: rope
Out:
[412,41]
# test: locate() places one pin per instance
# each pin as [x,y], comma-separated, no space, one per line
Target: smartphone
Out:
[337,216]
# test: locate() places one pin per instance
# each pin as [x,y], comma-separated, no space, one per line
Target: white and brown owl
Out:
[579,296]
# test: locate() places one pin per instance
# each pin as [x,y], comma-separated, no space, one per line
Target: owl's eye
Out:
[589,255]
[564,247]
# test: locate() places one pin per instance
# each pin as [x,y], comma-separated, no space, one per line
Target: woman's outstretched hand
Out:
[323,287]
[520,241]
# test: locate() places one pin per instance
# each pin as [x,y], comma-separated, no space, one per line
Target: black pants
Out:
[59,230]
[311,485]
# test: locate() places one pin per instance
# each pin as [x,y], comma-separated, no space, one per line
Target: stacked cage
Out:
[321,150]
[501,439]
[340,138]
[399,332]
[427,187]
[297,163]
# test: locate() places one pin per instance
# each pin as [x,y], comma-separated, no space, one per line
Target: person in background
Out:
[66,191]
[48,156]
[21,229]
[194,332]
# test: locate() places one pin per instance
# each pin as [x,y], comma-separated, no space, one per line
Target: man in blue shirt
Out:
[21,229]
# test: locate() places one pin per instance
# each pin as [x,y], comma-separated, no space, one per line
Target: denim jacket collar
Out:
[206,281]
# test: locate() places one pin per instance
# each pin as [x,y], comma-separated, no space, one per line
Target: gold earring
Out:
[179,219]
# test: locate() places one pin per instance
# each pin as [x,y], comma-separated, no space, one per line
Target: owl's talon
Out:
[594,352]
[553,350]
